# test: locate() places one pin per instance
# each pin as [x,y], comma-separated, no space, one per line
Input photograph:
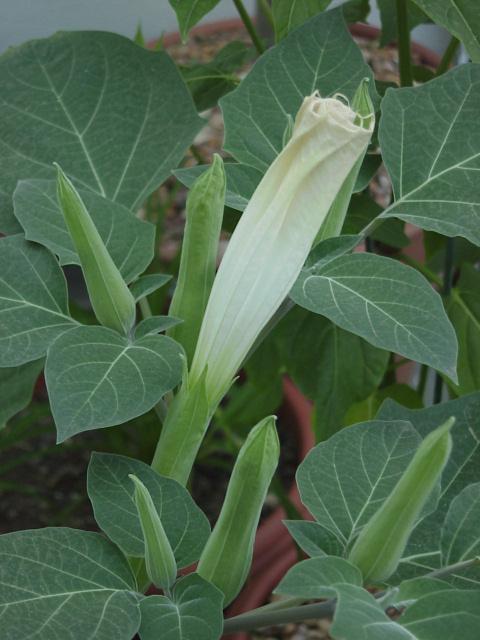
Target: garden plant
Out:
[315,282]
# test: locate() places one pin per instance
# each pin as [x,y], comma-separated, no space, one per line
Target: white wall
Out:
[22,20]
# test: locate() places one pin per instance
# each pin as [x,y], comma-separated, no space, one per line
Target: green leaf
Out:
[388,17]
[367,409]
[116,117]
[155,324]
[343,481]
[431,147]
[314,539]
[460,17]
[16,388]
[461,531]
[111,493]
[423,550]
[242,181]
[210,81]
[194,612]
[385,302]
[290,14]
[319,55]
[189,12]
[359,616]
[33,301]
[412,590]
[128,239]
[64,584]
[333,367]
[97,378]
[444,615]
[314,578]
[147,284]
[464,313]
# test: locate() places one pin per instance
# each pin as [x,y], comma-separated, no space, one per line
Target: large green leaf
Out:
[430,142]
[333,367]
[116,117]
[128,239]
[319,55]
[464,312]
[112,495]
[16,388]
[423,550]
[343,481]
[461,531]
[460,17]
[97,378]
[389,304]
[444,615]
[33,301]
[64,584]
[193,612]
[317,577]
[189,12]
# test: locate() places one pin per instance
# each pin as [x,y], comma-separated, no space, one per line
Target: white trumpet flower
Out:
[275,234]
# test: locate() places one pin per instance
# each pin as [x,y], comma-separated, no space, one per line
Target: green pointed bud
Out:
[182,434]
[111,299]
[159,559]
[205,204]
[381,543]
[227,556]
[363,107]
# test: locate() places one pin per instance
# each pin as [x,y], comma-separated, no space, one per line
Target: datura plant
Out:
[382,532]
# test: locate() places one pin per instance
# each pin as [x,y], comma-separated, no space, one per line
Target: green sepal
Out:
[159,558]
[111,299]
[204,213]
[332,226]
[227,556]
[381,543]
[185,426]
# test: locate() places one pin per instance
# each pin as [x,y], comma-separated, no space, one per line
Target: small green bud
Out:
[204,215]
[111,299]
[227,556]
[381,543]
[159,559]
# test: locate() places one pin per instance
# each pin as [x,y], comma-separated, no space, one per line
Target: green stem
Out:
[446,290]
[288,611]
[145,308]
[403,41]
[266,9]
[247,21]
[447,57]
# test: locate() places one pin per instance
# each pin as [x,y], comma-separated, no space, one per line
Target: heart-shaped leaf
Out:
[431,147]
[389,304]
[97,378]
[112,495]
[193,612]
[116,117]
[33,301]
[63,583]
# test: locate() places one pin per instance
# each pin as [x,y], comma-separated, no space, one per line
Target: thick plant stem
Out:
[403,41]
[448,56]
[289,612]
[266,9]
[446,290]
[249,26]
